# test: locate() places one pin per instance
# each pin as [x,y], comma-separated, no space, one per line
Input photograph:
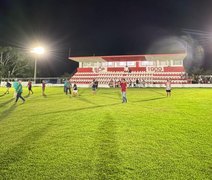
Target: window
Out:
[120,64]
[147,63]
[163,63]
[110,64]
[177,62]
[87,64]
[131,63]
[103,64]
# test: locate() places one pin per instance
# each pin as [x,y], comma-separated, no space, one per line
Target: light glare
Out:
[38,50]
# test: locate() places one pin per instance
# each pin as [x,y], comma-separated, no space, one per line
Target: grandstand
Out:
[151,69]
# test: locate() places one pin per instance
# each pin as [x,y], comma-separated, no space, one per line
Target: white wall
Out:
[106,85]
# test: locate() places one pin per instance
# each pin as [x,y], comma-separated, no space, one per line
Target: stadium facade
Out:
[151,68]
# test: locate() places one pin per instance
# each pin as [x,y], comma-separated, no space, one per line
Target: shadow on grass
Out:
[118,93]
[108,152]
[86,100]
[7,112]
[19,151]
[45,96]
[26,96]
[163,94]
[6,102]
[111,97]
[2,95]
[77,109]
[152,99]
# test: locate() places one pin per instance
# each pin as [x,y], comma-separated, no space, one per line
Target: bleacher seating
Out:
[148,77]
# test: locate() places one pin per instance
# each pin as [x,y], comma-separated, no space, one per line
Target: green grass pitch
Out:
[98,137]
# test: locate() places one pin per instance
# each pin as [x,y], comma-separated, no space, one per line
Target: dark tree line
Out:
[15,63]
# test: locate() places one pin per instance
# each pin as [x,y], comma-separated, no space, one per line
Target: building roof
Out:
[148,57]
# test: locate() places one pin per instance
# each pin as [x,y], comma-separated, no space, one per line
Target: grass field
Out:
[98,137]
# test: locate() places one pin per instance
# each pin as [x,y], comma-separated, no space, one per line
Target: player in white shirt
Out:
[168,88]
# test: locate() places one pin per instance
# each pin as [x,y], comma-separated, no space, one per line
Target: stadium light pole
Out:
[37,51]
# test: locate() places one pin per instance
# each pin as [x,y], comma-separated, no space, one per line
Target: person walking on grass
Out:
[168,88]
[43,88]
[19,91]
[15,85]
[68,87]
[64,86]
[29,85]
[8,86]
[123,85]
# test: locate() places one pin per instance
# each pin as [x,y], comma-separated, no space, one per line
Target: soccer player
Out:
[168,88]
[94,86]
[75,90]
[43,88]
[8,85]
[68,87]
[123,85]
[64,87]
[29,85]
[15,85]
[19,91]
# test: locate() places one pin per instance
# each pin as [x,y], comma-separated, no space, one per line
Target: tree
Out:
[194,60]
[15,63]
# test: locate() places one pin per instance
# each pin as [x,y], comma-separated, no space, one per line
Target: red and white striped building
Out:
[153,69]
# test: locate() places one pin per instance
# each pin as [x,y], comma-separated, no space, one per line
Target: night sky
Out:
[109,27]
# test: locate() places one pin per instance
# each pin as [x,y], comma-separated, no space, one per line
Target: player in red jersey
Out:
[123,85]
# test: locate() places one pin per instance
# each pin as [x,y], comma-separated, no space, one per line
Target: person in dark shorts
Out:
[8,86]
[75,90]
[29,85]
[94,86]
[168,88]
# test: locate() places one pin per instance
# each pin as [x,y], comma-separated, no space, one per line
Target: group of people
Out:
[137,83]
[123,85]
[18,89]
[68,86]
[114,83]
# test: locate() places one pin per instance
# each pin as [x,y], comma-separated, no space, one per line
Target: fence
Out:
[59,81]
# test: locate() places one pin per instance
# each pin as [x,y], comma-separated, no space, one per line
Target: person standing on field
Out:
[168,88]
[19,91]
[29,85]
[75,90]
[94,86]
[43,88]
[123,85]
[68,87]
[64,87]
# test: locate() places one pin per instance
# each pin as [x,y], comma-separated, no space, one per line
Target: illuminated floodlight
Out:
[38,50]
